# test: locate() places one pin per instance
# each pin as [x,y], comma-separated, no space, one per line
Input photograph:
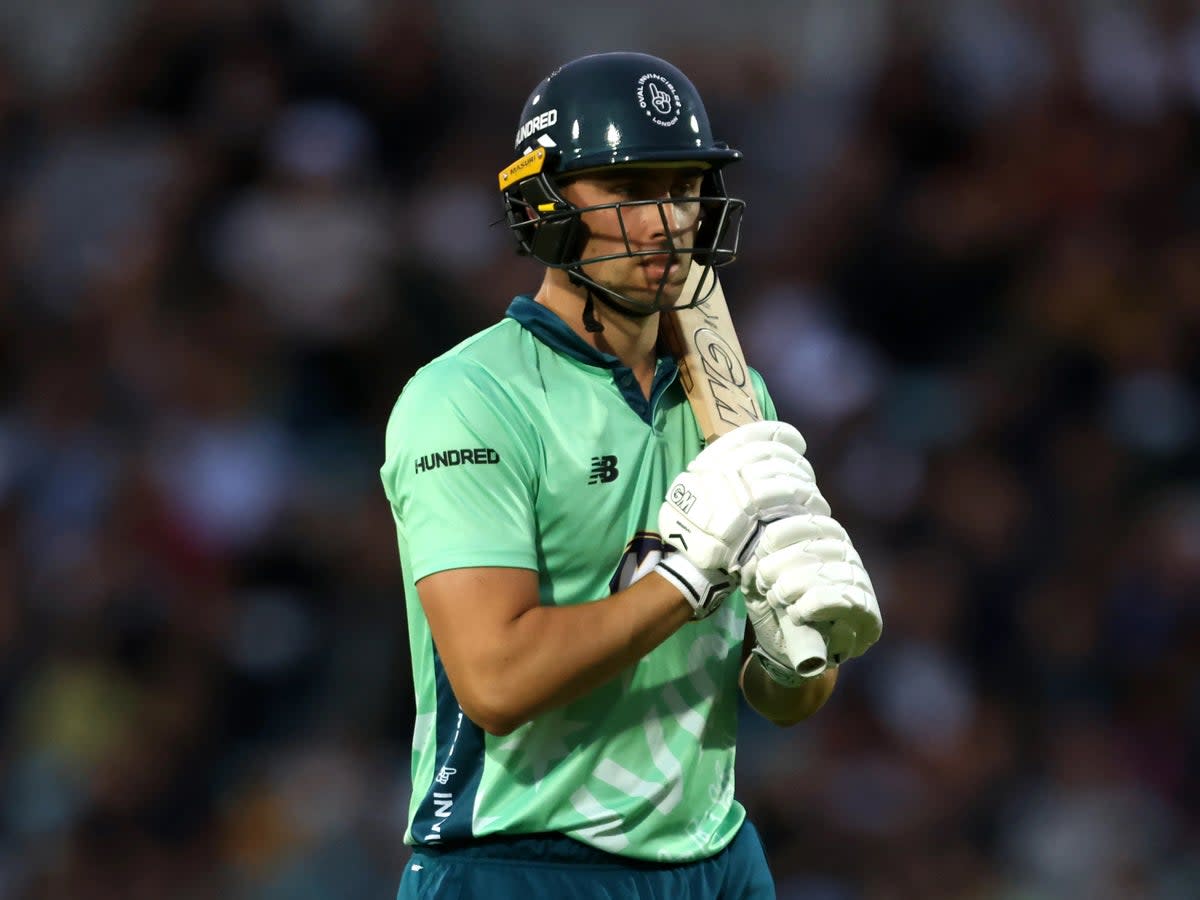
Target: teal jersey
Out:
[524,447]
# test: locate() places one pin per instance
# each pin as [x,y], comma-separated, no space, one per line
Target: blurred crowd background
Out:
[231,229]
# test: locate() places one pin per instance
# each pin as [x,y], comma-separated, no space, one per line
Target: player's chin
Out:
[662,295]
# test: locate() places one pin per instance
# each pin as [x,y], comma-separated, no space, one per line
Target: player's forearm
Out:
[784,705]
[552,655]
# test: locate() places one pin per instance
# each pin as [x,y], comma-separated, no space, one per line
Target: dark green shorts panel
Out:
[739,872]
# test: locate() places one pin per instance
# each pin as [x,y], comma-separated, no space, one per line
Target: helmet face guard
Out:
[628,110]
[552,231]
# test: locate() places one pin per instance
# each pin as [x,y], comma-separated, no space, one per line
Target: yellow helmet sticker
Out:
[529,164]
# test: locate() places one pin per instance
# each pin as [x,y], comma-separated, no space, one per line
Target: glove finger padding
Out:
[778,487]
[745,454]
[788,571]
[850,636]
[807,569]
[867,621]
[798,589]
[850,613]
[786,434]
[820,600]
[765,459]
[763,431]
[714,514]
[784,541]
[841,641]
[799,528]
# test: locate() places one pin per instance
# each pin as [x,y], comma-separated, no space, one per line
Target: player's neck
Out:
[631,340]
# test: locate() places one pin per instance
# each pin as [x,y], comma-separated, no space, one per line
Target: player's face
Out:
[665,215]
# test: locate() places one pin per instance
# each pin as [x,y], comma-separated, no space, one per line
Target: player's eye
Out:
[688,188]
[624,190]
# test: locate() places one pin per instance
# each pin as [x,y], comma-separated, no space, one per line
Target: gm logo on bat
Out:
[727,377]
[719,360]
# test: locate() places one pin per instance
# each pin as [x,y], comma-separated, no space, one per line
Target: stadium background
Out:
[229,231]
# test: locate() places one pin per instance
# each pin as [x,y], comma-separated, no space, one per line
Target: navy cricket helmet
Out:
[614,109]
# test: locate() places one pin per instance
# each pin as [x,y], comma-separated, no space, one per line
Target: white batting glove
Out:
[714,509]
[704,589]
[761,450]
[789,655]
[806,568]
[754,473]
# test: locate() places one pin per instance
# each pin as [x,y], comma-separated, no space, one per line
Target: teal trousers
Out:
[551,866]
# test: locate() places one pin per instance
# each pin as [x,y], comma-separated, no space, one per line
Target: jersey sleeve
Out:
[764,397]
[460,472]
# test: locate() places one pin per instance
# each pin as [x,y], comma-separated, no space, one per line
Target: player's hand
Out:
[714,509]
[806,568]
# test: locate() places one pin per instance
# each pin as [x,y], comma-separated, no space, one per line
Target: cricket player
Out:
[580,570]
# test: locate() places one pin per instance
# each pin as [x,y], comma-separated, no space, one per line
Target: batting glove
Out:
[790,654]
[714,509]
[806,568]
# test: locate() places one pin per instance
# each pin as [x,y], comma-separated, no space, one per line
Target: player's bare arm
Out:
[510,659]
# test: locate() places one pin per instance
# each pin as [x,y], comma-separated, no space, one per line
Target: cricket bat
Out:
[713,371]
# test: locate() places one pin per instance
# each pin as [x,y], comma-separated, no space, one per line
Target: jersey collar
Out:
[545,324]
[547,327]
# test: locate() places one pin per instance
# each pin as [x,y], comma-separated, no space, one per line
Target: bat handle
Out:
[805,647]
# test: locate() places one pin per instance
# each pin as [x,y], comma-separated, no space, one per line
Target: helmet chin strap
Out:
[609,298]
[590,322]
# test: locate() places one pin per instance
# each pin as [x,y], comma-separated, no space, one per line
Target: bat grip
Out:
[805,647]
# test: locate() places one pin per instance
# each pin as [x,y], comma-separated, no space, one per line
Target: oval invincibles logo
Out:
[659,99]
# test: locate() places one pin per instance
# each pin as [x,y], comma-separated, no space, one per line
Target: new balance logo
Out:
[604,470]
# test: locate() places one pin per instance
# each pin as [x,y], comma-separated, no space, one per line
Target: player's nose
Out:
[667,217]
